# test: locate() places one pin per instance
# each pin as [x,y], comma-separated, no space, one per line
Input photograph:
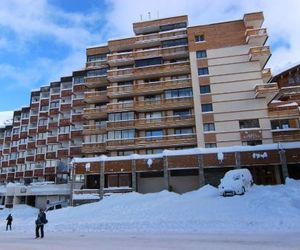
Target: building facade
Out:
[170,86]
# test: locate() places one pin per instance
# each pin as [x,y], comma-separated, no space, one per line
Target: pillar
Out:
[201,170]
[166,173]
[133,175]
[102,180]
[284,168]
[237,160]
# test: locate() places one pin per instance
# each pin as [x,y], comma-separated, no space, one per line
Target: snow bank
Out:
[262,209]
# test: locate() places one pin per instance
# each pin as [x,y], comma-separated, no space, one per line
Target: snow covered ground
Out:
[264,210]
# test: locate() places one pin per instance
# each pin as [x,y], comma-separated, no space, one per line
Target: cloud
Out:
[281,19]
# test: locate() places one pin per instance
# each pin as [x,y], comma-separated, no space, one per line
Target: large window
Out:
[285,124]
[252,143]
[151,98]
[95,138]
[175,42]
[122,116]
[154,133]
[208,107]
[94,58]
[153,115]
[203,71]
[204,89]
[64,130]
[183,131]
[126,83]
[175,93]
[208,127]
[173,26]
[182,112]
[201,54]
[97,72]
[251,123]
[121,134]
[148,62]
[210,145]
[78,79]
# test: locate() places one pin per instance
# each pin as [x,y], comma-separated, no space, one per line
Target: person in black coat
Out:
[9,221]
[40,222]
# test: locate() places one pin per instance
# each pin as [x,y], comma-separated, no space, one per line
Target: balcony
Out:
[164,104]
[254,20]
[147,88]
[256,37]
[95,96]
[261,54]
[283,109]
[264,90]
[166,53]
[95,64]
[121,106]
[94,129]
[153,142]
[93,148]
[96,81]
[95,113]
[159,70]
[266,74]
[162,122]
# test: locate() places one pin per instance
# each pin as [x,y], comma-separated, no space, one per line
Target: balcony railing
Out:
[168,121]
[94,113]
[93,147]
[261,54]
[147,88]
[256,37]
[95,96]
[94,129]
[159,70]
[264,89]
[163,141]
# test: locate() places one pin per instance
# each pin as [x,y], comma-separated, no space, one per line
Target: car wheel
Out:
[243,191]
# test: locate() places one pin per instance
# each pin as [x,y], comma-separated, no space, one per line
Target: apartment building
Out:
[170,86]
[284,111]
[38,145]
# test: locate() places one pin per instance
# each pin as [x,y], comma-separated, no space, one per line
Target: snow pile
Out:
[262,209]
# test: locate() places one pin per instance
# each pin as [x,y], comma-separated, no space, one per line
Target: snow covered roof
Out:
[6,118]
[192,151]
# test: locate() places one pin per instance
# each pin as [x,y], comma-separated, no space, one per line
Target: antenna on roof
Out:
[149,15]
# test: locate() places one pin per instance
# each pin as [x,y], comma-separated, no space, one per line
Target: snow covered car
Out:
[236,181]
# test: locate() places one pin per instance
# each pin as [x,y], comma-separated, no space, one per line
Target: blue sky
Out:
[42,40]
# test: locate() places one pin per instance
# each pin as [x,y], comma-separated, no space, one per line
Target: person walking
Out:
[9,221]
[40,222]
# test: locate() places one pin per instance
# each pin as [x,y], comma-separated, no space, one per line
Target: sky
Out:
[42,40]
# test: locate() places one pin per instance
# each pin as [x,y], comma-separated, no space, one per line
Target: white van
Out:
[236,181]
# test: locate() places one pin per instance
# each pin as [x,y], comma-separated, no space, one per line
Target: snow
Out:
[193,151]
[264,209]
[6,118]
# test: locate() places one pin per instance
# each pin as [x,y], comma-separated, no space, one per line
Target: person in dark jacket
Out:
[40,222]
[9,221]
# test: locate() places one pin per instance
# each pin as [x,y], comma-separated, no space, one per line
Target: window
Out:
[154,151]
[199,38]
[210,145]
[201,54]
[126,83]
[291,80]
[125,100]
[64,130]
[148,62]
[35,98]
[22,154]
[251,123]
[41,150]
[209,127]
[151,98]
[284,124]
[24,128]
[43,122]
[16,131]
[55,91]
[183,131]
[153,115]
[123,116]
[125,153]
[204,89]
[97,72]
[44,108]
[41,136]
[22,141]
[203,71]
[94,58]
[175,42]
[173,26]
[14,144]
[45,94]
[66,85]
[95,138]
[176,93]
[182,113]
[54,104]
[206,107]
[252,143]
[154,133]
[121,134]
[52,147]
[78,79]
[25,115]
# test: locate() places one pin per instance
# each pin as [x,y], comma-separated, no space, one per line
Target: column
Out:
[284,168]
[102,180]
[237,160]
[133,175]
[166,173]
[201,170]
